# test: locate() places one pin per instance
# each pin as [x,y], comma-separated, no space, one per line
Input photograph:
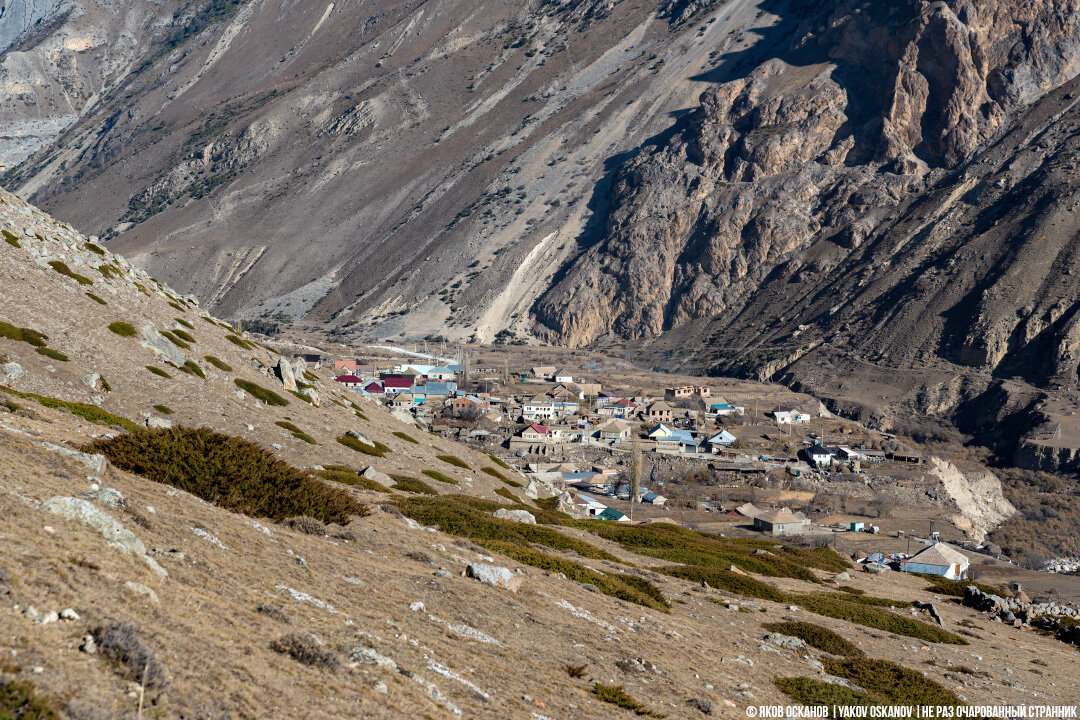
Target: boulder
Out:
[372,474]
[788,642]
[521,516]
[92,381]
[361,437]
[842,577]
[311,394]
[94,462]
[285,374]
[105,496]
[12,370]
[115,534]
[161,346]
[494,575]
[153,422]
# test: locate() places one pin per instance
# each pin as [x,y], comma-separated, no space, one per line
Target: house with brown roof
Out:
[659,412]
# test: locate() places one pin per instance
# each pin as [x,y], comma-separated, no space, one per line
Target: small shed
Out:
[780,522]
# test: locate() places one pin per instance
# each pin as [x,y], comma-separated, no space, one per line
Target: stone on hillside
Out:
[494,575]
[154,422]
[105,496]
[836,680]
[92,380]
[372,474]
[842,577]
[367,656]
[115,534]
[69,615]
[142,591]
[12,370]
[521,516]
[95,462]
[361,437]
[788,642]
[312,394]
[161,346]
[285,375]
[532,490]
[404,416]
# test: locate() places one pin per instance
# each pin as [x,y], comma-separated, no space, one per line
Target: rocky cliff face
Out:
[865,106]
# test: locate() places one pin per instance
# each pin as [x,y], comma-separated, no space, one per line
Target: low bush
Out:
[406,437]
[296,432]
[175,340]
[260,393]
[725,580]
[890,683]
[62,268]
[219,364]
[159,372]
[96,249]
[436,475]
[954,588]
[11,238]
[120,643]
[88,412]
[499,476]
[498,462]
[616,695]
[26,335]
[303,649]
[20,701]
[185,323]
[239,342]
[347,476]
[412,485]
[274,613]
[455,461]
[163,409]
[362,447]
[503,492]
[50,353]
[186,337]
[96,299]
[841,608]
[810,692]
[122,329]
[816,636]
[191,368]
[301,396]
[227,471]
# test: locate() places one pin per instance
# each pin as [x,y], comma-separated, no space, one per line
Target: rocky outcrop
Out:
[976,494]
[864,108]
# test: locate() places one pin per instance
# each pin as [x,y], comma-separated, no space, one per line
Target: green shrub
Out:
[471,517]
[496,474]
[63,269]
[809,692]
[816,636]
[260,393]
[296,432]
[186,337]
[163,409]
[11,238]
[890,683]
[219,364]
[413,485]
[378,450]
[503,492]
[107,271]
[498,462]
[20,701]
[227,471]
[834,606]
[239,342]
[725,580]
[50,353]
[455,461]
[347,476]
[26,335]
[185,323]
[192,368]
[90,413]
[406,437]
[175,340]
[954,588]
[158,371]
[122,329]
[176,306]
[617,696]
[436,475]
[301,396]
[96,249]
[96,299]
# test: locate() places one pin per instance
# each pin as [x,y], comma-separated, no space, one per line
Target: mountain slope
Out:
[354,162]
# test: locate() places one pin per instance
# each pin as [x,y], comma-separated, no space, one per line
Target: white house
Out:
[721,439]
[821,456]
[536,408]
[562,376]
[938,559]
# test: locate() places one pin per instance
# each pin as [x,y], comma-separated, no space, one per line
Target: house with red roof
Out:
[349,381]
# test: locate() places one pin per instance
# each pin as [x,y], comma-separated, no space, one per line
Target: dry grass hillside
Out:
[189,583]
